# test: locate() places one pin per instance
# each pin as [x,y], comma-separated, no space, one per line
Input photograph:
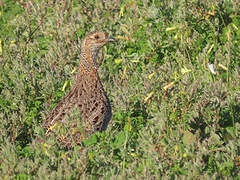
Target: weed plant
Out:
[173,116]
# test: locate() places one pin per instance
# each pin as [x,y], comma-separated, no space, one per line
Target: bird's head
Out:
[95,40]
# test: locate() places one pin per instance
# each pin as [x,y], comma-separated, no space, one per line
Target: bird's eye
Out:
[96,36]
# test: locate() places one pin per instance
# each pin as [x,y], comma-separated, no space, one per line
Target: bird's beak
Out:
[110,39]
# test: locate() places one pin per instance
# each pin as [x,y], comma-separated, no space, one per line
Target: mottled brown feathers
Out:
[86,108]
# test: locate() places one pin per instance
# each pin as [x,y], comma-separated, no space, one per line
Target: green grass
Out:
[172,118]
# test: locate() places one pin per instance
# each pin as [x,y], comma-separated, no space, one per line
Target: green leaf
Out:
[120,139]
[90,141]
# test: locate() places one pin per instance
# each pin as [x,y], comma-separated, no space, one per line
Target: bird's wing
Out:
[59,112]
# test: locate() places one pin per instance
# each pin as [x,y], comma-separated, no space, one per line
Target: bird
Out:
[87,96]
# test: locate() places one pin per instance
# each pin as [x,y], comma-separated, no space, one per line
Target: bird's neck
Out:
[88,60]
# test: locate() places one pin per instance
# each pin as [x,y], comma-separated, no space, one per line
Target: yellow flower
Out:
[151,75]
[74,70]
[118,61]
[223,67]
[53,126]
[185,70]
[149,96]
[122,38]
[168,86]
[121,11]
[65,85]
[171,28]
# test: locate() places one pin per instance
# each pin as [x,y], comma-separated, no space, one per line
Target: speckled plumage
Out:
[87,96]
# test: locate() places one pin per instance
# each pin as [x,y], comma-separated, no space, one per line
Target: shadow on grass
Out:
[228,117]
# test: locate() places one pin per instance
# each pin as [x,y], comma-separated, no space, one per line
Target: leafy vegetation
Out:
[173,116]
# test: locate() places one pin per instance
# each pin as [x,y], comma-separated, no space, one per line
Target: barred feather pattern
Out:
[87,95]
